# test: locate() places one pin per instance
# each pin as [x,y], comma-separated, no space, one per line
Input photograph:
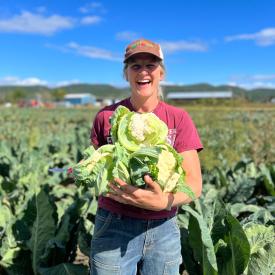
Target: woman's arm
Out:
[153,198]
[191,165]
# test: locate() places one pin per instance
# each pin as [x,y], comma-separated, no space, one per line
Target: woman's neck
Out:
[144,105]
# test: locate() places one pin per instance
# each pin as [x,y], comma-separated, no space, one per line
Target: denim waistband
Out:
[105,212]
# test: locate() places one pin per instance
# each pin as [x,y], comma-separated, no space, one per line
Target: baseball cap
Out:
[143,46]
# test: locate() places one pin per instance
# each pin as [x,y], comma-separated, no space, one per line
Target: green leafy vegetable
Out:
[164,165]
[136,130]
[139,147]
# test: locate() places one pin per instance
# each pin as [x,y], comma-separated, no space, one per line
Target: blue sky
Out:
[61,42]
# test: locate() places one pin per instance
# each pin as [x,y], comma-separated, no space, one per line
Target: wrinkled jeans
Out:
[129,246]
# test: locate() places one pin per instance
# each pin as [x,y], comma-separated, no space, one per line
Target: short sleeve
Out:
[187,137]
[96,131]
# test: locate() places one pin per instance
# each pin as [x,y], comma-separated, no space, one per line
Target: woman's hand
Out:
[151,198]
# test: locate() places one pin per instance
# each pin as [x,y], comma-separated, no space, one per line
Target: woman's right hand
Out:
[151,198]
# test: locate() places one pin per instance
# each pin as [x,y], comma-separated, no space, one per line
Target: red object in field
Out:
[70,170]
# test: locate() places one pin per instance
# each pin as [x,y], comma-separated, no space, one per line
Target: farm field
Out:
[46,221]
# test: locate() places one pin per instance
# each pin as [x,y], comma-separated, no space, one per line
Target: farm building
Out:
[199,95]
[80,99]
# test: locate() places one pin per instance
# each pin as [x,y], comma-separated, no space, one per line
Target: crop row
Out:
[46,222]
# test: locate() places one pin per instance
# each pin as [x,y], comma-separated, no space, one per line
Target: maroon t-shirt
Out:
[182,135]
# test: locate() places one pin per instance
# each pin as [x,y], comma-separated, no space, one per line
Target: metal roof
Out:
[199,94]
[67,96]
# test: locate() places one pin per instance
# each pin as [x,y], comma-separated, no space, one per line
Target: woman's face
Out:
[144,74]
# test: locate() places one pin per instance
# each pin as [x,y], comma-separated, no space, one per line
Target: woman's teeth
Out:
[142,82]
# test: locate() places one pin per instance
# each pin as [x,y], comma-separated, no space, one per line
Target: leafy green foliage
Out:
[140,148]
[43,228]
[64,269]
[261,239]
[34,140]
[200,242]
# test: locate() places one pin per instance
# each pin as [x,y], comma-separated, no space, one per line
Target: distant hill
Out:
[107,91]
[260,95]
[204,87]
[100,91]
[29,89]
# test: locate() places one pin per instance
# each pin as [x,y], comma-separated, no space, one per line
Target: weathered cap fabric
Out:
[143,46]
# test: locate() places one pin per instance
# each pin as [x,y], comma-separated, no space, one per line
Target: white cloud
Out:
[92,7]
[179,46]
[265,37]
[93,52]
[16,81]
[127,36]
[89,20]
[167,46]
[253,85]
[28,22]
[256,77]
[66,83]
[262,77]
[169,83]
[254,81]
[34,81]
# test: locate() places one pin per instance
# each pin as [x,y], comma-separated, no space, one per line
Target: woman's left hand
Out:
[151,198]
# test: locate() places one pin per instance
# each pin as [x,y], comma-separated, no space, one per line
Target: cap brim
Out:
[138,52]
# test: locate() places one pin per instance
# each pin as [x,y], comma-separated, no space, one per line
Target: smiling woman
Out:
[135,228]
[146,64]
[143,71]
[142,64]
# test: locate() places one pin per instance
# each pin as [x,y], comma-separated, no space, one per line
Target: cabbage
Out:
[163,164]
[139,147]
[115,120]
[100,166]
[135,130]
[93,170]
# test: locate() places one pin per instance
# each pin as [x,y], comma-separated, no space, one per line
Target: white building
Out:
[199,95]
[80,99]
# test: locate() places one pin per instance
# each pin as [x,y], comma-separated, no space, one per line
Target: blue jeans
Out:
[125,246]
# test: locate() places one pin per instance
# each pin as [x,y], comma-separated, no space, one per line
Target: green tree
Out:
[16,95]
[58,94]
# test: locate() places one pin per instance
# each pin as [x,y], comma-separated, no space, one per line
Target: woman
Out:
[136,229]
